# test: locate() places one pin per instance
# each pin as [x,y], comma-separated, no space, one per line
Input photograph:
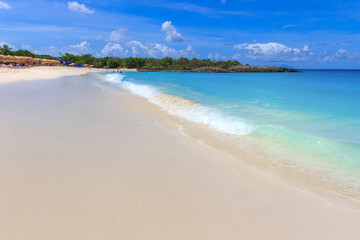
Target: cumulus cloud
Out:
[114,50]
[77,7]
[4,5]
[306,48]
[157,50]
[171,34]
[26,46]
[118,35]
[81,48]
[268,49]
[216,56]
[342,55]
[77,49]
[10,45]
[139,49]
[275,52]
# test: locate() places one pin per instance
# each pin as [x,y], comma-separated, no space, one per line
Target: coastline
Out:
[240,138]
[241,69]
[103,186]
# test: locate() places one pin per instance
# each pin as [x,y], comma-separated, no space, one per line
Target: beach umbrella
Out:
[64,62]
[25,60]
[3,58]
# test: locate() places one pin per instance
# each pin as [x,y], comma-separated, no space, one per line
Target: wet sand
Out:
[80,162]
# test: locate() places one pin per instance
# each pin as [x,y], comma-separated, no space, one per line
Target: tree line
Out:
[129,62]
[137,62]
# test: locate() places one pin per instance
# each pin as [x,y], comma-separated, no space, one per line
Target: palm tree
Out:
[5,50]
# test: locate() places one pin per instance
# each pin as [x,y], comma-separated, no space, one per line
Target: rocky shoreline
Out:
[245,68]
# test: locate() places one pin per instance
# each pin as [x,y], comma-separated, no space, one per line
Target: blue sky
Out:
[301,34]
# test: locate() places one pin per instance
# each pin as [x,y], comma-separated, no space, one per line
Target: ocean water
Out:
[311,118]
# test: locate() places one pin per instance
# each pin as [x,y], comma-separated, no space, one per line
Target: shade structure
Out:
[26,60]
[30,60]
[5,58]
[17,59]
[49,61]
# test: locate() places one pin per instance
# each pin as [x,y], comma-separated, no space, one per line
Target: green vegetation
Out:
[148,63]
[153,64]
[5,50]
[130,62]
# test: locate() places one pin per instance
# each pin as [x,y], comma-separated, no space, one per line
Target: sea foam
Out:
[184,108]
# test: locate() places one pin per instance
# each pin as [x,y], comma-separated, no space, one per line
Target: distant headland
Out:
[212,69]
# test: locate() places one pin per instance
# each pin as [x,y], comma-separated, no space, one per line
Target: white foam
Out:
[184,108]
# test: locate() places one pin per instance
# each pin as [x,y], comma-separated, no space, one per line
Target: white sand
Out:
[78,162]
[8,75]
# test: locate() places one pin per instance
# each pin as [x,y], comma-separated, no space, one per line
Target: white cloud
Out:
[279,52]
[114,50]
[306,48]
[223,1]
[118,35]
[10,45]
[275,52]
[77,49]
[81,48]
[267,49]
[190,49]
[289,26]
[171,34]
[4,5]
[76,7]
[342,55]
[216,56]
[157,50]
[138,49]
[26,46]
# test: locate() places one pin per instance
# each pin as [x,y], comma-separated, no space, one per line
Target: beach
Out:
[82,162]
[9,75]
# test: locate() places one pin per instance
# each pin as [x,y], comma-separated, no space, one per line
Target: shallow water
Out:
[311,118]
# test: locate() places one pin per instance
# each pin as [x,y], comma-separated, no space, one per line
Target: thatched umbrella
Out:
[5,58]
[26,60]
[49,61]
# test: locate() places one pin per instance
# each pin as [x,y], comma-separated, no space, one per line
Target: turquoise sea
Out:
[312,117]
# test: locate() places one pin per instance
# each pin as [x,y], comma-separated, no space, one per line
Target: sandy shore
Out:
[8,75]
[80,162]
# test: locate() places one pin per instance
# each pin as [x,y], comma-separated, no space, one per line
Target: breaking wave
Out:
[184,108]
